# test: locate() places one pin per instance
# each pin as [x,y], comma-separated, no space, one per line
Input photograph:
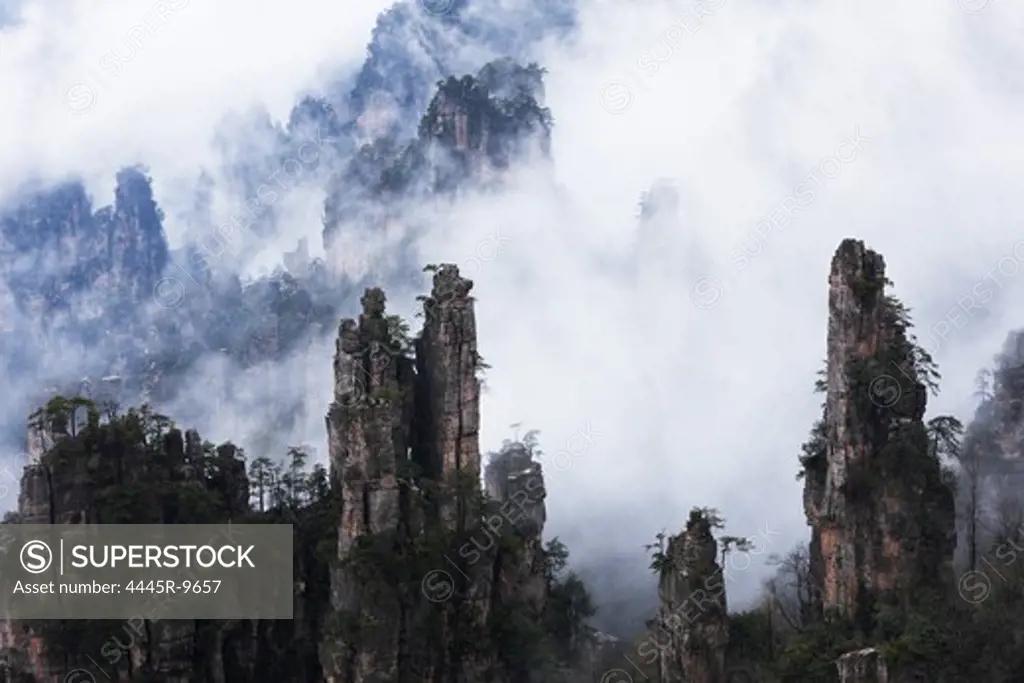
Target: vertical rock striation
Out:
[692,616]
[65,487]
[431,579]
[369,428]
[881,513]
[449,397]
[515,481]
[404,448]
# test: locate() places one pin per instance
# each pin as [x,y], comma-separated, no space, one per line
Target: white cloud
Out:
[107,83]
[694,406]
[709,407]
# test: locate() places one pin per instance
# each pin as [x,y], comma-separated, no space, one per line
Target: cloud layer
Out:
[670,366]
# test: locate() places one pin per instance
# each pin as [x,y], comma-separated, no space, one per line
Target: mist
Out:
[666,365]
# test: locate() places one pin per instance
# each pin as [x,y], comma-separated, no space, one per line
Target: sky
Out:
[664,372]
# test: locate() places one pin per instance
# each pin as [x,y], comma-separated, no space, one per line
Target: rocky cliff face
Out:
[63,489]
[474,128]
[404,449]
[136,468]
[880,510]
[863,666]
[406,570]
[83,290]
[516,483]
[1000,415]
[988,492]
[55,245]
[692,617]
[448,391]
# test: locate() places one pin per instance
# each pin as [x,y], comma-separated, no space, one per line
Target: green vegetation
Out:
[138,467]
[938,625]
[944,625]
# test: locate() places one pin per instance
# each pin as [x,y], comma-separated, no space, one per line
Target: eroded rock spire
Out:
[405,455]
[449,400]
[692,617]
[881,513]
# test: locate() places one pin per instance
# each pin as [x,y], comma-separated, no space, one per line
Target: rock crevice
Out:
[404,448]
[877,531]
